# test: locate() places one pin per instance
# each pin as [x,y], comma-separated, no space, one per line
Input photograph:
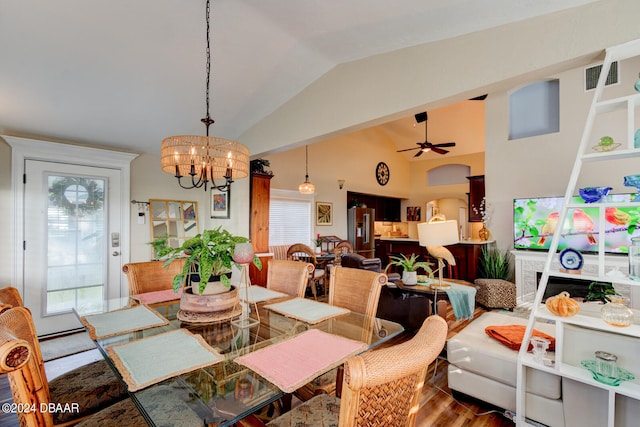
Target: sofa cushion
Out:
[473,350]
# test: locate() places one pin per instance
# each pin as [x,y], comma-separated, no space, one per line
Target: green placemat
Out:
[150,360]
[308,311]
[122,321]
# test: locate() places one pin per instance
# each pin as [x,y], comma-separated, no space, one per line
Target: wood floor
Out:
[438,407]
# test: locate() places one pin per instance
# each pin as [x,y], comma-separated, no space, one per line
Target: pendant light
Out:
[205,158]
[306,187]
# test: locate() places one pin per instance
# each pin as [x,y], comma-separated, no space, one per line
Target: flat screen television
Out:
[533,220]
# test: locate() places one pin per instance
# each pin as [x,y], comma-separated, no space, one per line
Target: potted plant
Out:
[318,243]
[494,264]
[494,287]
[410,267]
[600,291]
[207,267]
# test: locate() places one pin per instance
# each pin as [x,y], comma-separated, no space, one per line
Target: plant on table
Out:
[408,264]
[207,254]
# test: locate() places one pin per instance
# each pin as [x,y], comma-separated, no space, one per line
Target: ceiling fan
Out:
[426,145]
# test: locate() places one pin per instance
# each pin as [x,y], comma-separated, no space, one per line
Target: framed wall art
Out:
[413,213]
[324,213]
[220,203]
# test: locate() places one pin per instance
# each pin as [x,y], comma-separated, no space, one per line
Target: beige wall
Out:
[149,182]
[354,158]
[6,254]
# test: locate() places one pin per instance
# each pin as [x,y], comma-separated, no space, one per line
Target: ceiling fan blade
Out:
[419,153]
[439,150]
[445,144]
[408,149]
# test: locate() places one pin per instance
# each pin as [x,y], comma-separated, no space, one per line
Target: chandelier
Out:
[306,187]
[205,158]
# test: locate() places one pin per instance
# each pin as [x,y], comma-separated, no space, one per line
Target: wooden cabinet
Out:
[475,197]
[387,208]
[467,255]
[259,223]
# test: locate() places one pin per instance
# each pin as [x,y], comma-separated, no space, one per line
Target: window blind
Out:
[289,218]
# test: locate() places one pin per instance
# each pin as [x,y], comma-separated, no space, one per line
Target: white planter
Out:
[318,249]
[410,277]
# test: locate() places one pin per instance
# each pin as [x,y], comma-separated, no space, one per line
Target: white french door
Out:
[72,241]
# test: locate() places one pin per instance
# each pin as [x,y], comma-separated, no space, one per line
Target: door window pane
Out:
[76,243]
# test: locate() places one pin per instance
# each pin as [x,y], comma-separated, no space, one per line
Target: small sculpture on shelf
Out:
[633,181]
[606,143]
[593,194]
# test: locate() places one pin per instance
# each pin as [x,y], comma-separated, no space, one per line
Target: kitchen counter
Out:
[466,252]
[398,239]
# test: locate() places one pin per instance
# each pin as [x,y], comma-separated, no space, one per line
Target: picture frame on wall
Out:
[324,213]
[413,213]
[220,203]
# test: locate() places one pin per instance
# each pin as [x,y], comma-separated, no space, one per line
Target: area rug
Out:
[65,346]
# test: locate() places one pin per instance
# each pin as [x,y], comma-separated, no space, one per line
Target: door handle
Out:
[115,253]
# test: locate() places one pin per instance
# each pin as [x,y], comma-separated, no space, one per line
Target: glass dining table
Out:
[224,393]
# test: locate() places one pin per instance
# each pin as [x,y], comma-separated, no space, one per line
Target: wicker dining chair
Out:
[381,388]
[289,277]
[341,248]
[21,360]
[151,276]
[304,253]
[93,386]
[356,290]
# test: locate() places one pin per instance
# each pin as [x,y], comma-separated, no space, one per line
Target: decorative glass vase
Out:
[616,313]
[243,253]
[483,233]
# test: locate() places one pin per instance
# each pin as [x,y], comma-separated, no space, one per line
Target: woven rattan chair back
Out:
[289,277]
[151,276]
[21,360]
[382,387]
[355,289]
[301,252]
[304,253]
[343,247]
[9,297]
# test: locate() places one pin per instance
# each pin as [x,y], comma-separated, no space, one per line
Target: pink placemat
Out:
[158,296]
[292,363]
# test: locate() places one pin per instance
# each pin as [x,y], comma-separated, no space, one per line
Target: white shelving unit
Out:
[561,367]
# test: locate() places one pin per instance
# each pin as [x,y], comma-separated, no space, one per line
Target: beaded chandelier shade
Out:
[205,158]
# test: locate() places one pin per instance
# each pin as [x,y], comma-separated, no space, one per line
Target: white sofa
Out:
[481,367]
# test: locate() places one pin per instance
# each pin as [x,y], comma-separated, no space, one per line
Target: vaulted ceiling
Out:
[126,74]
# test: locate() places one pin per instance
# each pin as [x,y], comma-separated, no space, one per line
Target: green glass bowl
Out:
[623,374]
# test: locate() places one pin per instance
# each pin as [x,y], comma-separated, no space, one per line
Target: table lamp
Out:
[434,235]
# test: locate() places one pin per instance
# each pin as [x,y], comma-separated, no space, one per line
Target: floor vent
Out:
[592,74]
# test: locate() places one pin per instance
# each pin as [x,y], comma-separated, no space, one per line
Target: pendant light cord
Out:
[208,121]
[306,161]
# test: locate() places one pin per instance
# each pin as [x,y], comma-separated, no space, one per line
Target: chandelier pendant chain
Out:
[208,121]
[205,158]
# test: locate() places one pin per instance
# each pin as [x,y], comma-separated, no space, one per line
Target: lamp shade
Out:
[438,233]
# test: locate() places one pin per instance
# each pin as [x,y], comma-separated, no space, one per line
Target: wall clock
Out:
[382,173]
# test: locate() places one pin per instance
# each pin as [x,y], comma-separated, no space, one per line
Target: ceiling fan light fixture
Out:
[205,158]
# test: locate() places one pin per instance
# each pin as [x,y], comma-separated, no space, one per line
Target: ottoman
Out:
[495,293]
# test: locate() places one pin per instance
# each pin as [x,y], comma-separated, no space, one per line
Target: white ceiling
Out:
[126,74]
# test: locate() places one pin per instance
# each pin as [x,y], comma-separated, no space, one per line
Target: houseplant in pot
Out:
[409,267]
[495,290]
[207,269]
